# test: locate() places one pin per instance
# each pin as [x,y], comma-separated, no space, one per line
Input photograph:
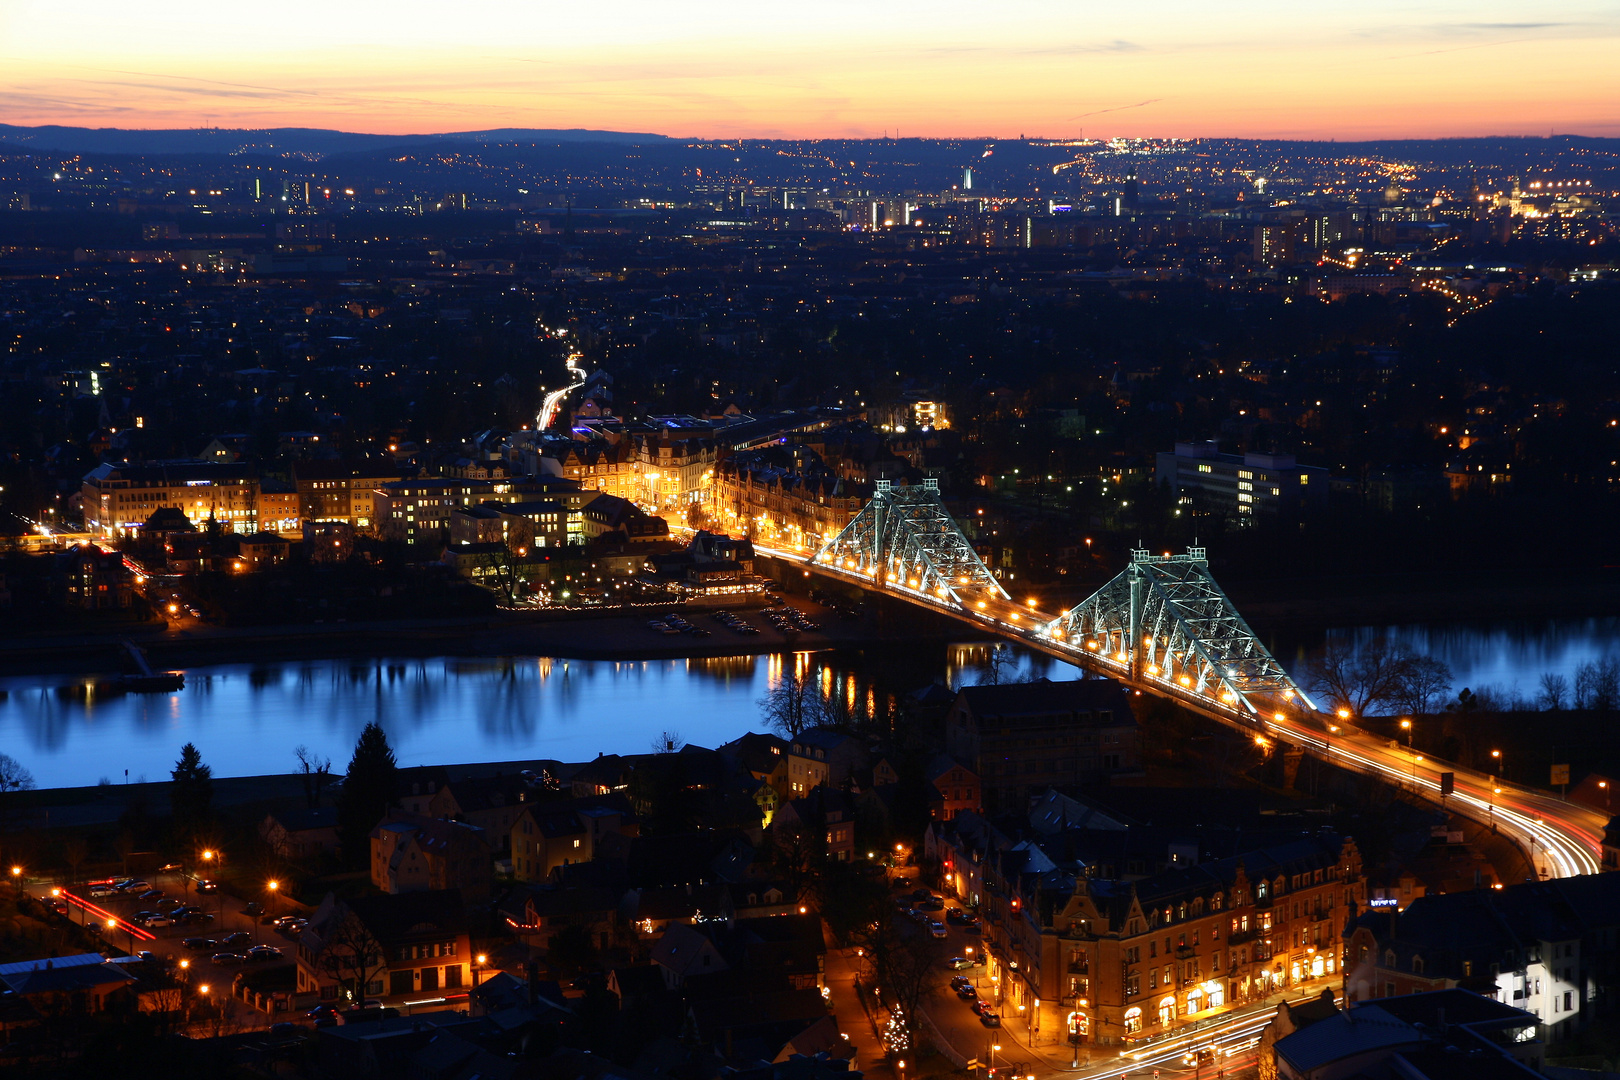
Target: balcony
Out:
[1241,937]
[1079,967]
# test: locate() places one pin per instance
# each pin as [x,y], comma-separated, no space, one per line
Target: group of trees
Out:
[1379,675]
[1596,686]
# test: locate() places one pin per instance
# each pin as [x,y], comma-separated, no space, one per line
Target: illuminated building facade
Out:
[1199,474]
[1126,961]
[119,498]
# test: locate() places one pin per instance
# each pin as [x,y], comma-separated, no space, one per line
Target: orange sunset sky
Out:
[718,68]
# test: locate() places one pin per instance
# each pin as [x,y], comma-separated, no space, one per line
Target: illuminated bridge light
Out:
[1186,681]
[1091,644]
[1153,669]
[981,604]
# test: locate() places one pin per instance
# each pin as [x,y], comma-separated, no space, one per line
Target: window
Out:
[1205,469]
[1245,474]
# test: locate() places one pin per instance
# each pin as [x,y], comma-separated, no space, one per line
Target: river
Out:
[247,719]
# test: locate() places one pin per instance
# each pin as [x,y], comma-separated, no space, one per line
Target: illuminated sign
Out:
[199,483]
[1383,901]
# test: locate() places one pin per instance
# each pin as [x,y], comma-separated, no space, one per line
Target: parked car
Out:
[241,937]
[104,888]
[213,886]
[990,1020]
[170,868]
[959,981]
[200,944]
[252,907]
[263,954]
[150,895]
[966,993]
[229,959]
[151,922]
[960,963]
[285,1028]
[936,928]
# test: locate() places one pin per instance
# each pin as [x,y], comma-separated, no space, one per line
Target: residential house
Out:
[1547,947]
[401,946]
[955,787]
[300,834]
[826,817]
[416,854]
[1022,738]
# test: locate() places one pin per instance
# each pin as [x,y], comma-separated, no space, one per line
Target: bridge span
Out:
[1164,627]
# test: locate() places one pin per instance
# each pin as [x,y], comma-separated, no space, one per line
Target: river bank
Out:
[583,634]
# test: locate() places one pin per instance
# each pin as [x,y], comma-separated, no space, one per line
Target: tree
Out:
[1423,685]
[1597,684]
[1554,689]
[350,954]
[314,771]
[75,850]
[369,788]
[14,777]
[904,965]
[191,791]
[793,704]
[1360,679]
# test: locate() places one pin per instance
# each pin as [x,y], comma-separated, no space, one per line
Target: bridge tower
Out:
[1164,621]
[905,541]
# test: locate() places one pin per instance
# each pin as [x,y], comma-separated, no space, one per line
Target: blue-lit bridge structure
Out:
[1163,626]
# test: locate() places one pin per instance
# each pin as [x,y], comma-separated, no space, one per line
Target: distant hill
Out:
[277,142]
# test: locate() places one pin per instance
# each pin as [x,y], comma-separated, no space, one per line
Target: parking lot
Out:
[205,935]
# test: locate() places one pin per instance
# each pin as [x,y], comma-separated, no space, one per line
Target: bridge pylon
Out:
[1164,619]
[905,541]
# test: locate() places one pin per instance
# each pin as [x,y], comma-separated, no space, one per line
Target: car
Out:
[198,918]
[959,981]
[213,886]
[981,1007]
[229,959]
[263,954]
[285,1028]
[935,904]
[105,888]
[966,993]
[323,1015]
[292,927]
[936,928]
[200,944]
[151,894]
[241,937]
[1204,1055]
[141,916]
[153,921]
[170,868]
[134,887]
[698,631]
[252,907]
[990,1020]
[962,963]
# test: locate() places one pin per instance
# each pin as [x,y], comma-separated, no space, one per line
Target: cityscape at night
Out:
[607,545]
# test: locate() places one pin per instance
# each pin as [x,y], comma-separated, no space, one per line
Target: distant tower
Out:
[967,179]
[1133,192]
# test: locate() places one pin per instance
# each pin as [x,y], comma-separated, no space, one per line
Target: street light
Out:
[1406,726]
[1496,756]
[478,966]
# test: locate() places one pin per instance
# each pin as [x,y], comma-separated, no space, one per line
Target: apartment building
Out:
[1242,484]
[1122,961]
[118,499]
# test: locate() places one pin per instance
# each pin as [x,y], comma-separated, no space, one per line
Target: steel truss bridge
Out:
[1164,627]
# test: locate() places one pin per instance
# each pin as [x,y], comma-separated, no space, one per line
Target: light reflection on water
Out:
[247,718]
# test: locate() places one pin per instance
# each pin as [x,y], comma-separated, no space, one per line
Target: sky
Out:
[834,68]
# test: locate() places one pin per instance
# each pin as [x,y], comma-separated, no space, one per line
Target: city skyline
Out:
[1252,70]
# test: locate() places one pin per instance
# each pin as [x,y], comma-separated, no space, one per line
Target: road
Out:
[1561,839]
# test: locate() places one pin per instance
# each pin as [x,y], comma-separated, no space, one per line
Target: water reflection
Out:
[247,719]
[1506,657]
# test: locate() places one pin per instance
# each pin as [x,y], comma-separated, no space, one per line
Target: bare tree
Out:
[1597,684]
[14,777]
[904,965]
[1424,684]
[315,771]
[351,955]
[1361,679]
[793,704]
[668,742]
[1554,690]
[75,849]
